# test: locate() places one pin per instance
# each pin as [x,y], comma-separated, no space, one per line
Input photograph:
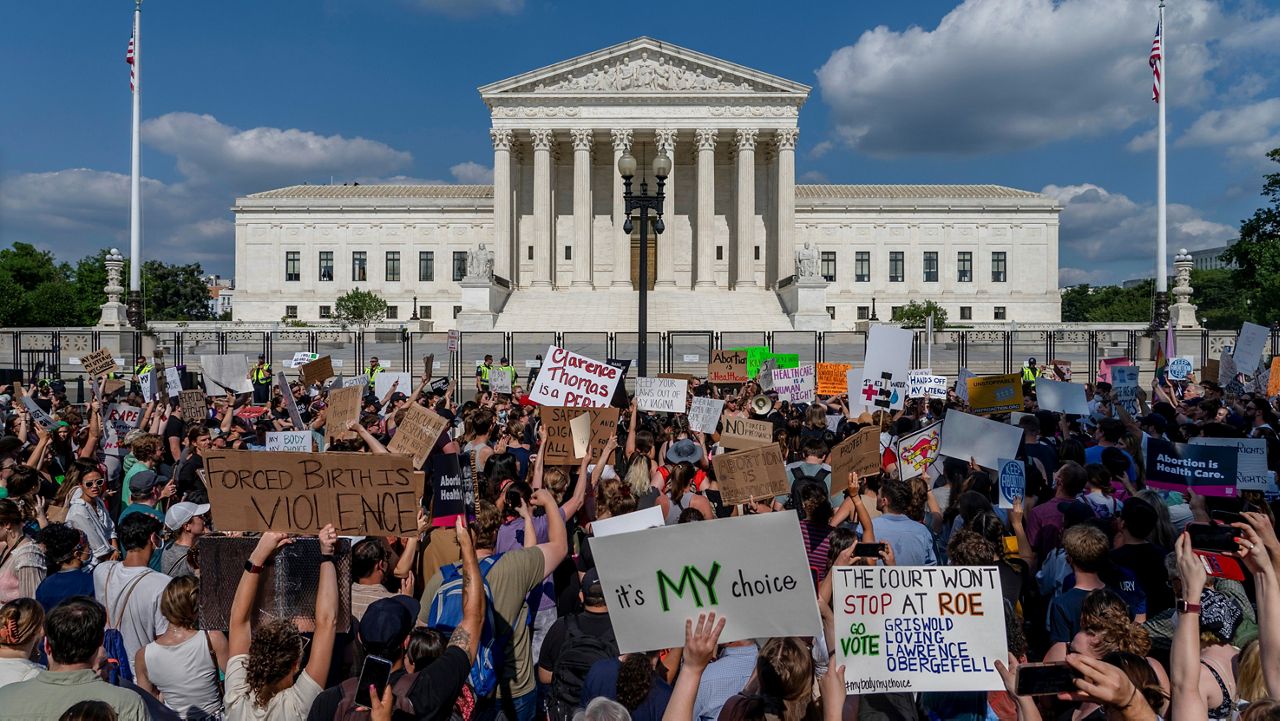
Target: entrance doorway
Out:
[635,254]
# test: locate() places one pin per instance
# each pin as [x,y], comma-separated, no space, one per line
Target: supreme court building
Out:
[744,247]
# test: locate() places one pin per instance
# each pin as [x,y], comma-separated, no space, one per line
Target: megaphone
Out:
[761,404]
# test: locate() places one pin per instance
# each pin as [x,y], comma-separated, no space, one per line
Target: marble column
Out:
[704,228]
[542,140]
[503,239]
[582,241]
[621,240]
[746,138]
[666,270]
[786,203]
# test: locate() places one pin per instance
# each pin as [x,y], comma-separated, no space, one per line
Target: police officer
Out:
[482,373]
[1030,373]
[141,367]
[260,377]
[504,366]
[375,367]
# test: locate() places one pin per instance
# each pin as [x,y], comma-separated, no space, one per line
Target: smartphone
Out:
[1227,517]
[867,550]
[376,672]
[1220,565]
[1213,537]
[1010,545]
[1042,679]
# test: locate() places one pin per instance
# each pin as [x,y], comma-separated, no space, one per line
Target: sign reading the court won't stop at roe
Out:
[359,493]
[918,628]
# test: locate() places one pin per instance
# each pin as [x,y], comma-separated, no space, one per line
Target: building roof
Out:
[377,191]
[912,192]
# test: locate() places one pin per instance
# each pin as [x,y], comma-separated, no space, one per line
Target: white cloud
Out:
[1076,276]
[813,176]
[1247,131]
[1004,75]
[470,8]
[1143,142]
[472,173]
[821,149]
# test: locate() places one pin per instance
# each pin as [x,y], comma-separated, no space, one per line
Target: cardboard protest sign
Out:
[99,362]
[995,394]
[194,407]
[359,493]
[499,381]
[1013,481]
[915,628]
[289,441]
[966,436]
[1106,364]
[650,517]
[887,369]
[1210,370]
[752,570]
[1061,397]
[386,380]
[704,414]
[917,451]
[1251,460]
[833,378]
[344,407]
[962,383]
[224,373]
[580,430]
[666,395]
[745,433]
[750,474]
[302,358]
[570,380]
[317,371]
[118,420]
[1124,383]
[859,453]
[1273,381]
[111,386]
[795,384]
[727,366]
[1249,346]
[417,433]
[926,385]
[1210,470]
[429,365]
[1061,370]
[1180,368]
[558,449]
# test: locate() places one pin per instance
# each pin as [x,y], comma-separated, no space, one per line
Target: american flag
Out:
[1156,61]
[128,58]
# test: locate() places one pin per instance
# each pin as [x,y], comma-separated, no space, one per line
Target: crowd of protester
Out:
[495,608]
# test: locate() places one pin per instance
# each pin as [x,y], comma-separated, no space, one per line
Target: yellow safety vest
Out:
[372,372]
[138,370]
[262,374]
[484,373]
[510,371]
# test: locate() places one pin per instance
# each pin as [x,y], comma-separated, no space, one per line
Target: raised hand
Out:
[700,641]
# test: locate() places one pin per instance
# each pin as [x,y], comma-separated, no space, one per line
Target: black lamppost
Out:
[644,203]
[415,309]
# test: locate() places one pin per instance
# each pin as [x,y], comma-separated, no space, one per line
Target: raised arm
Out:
[374,444]
[631,429]
[574,504]
[1254,552]
[700,644]
[90,448]
[557,545]
[408,558]
[326,610]
[538,462]
[1188,703]
[240,626]
[1020,532]
[467,635]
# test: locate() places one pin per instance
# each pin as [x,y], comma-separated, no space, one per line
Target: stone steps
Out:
[585,310]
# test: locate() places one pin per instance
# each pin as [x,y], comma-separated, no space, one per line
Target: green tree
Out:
[1075,303]
[359,307]
[29,266]
[1218,299]
[1257,254]
[915,314]
[174,292]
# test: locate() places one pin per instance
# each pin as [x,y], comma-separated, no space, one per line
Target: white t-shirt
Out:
[13,670]
[142,620]
[289,705]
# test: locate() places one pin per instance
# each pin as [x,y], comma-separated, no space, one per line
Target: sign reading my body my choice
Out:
[569,379]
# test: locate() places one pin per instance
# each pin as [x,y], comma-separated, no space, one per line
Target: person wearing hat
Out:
[146,489]
[1030,372]
[375,367]
[260,377]
[592,626]
[185,523]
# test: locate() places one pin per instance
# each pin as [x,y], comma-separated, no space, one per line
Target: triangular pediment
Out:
[643,66]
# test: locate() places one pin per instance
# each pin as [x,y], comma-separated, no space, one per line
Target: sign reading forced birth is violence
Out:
[751,570]
[916,628]
[359,493]
[567,379]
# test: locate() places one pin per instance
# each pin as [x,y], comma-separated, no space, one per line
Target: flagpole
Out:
[135,183]
[1162,275]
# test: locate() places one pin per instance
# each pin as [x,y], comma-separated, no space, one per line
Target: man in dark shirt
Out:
[191,486]
[593,622]
[1145,559]
[175,429]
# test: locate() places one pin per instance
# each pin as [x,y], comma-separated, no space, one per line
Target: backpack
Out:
[579,651]
[119,667]
[446,615]
[348,711]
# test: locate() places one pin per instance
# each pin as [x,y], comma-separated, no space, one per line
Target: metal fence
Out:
[49,353]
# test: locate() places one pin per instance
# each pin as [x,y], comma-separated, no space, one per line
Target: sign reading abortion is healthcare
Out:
[1210,470]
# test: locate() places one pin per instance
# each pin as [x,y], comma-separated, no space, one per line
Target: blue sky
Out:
[243,96]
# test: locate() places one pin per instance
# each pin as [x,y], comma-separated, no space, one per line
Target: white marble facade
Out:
[734,214]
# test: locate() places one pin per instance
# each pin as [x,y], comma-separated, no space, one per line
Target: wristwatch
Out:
[328,557]
[1181,606]
[250,567]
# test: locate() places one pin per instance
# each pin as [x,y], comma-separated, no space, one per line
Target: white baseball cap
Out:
[183,512]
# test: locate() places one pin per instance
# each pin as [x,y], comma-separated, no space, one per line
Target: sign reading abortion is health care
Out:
[751,570]
[917,628]
[1210,470]
[567,379]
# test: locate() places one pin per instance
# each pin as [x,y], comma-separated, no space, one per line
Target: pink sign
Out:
[1106,364]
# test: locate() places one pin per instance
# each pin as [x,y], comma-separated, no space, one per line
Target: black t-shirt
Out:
[189,486]
[592,624]
[173,428]
[1146,561]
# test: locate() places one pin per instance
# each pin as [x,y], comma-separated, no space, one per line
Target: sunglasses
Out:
[92,483]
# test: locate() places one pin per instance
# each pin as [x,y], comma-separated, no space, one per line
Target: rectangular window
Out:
[828,268]
[393,312]
[831,311]
[998,267]
[424,311]
[531,252]
[326,311]
[897,266]
[757,253]
[1000,313]
[459,265]
[862,266]
[964,267]
[359,266]
[326,265]
[568,252]
[894,312]
[719,252]
[456,310]
[931,266]
[291,311]
[393,266]
[292,266]
[966,312]
[864,312]
[426,266]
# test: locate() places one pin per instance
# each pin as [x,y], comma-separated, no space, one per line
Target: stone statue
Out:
[486,262]
[1182,312]
[806,262]
[480,263]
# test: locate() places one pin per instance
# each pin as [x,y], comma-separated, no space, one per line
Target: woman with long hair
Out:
[782,686]
[22,564]
[21,626]
[635,681]
[181,667]
[85,487]
[681,495]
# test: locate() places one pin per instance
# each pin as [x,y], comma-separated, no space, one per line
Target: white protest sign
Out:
[1062,397]
[1124,382]
[1180,368]
[147,385]
[580,429]
[119,420]
[499,381]
[922,383]
[173,381]
[661,394]
[302,358]
[887,369]
[650,517]
[764,375]
[383,381]
[571,380]
[1249,346]
[225,372]
[691,357]
[1251,460]
[962,383]
[295,441]
[917,451]
[38,414]
[704,414]
[914,628]
[966,436]
[290,403]
[752,570]
[857,399]
[1013,480]
[795,384]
